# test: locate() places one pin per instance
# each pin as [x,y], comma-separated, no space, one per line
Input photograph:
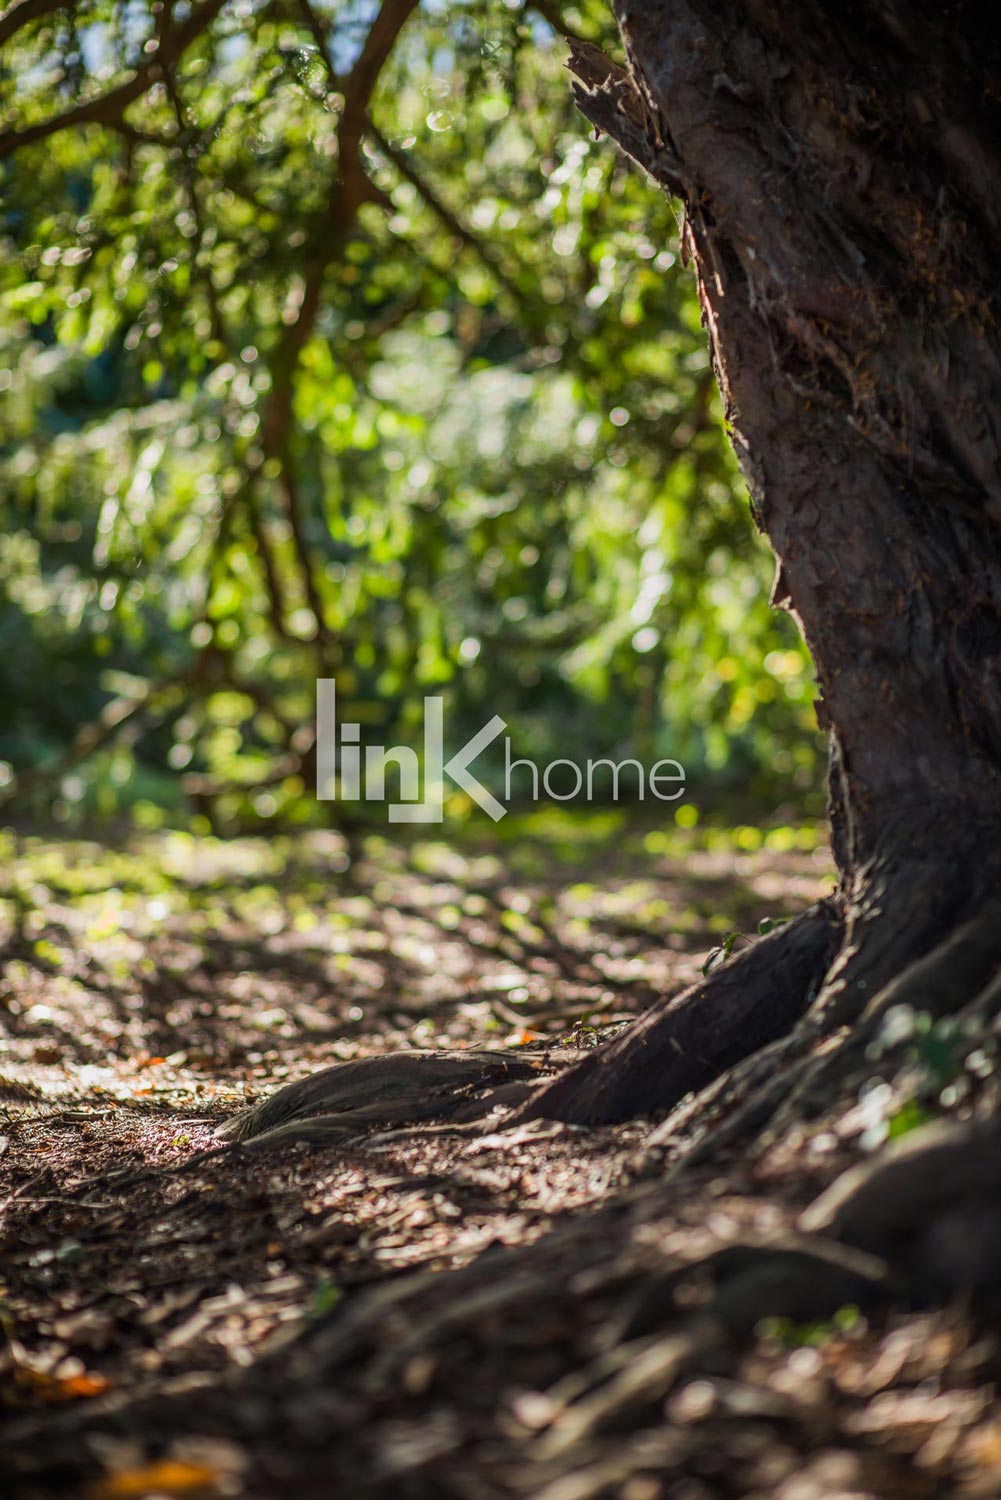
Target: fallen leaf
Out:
[169,1476]
[54,1389]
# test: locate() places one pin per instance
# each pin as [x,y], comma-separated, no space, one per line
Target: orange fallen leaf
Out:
[57,1388]
[83,1385]
[168,1476]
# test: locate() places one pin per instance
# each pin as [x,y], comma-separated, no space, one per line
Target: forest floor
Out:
[473,1313]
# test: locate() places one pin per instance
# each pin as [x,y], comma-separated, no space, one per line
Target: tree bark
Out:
[839,171]
[842,188]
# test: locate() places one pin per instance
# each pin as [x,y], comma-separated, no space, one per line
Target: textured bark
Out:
[842,187]
[839,168]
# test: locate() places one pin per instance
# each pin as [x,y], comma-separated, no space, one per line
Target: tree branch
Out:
[107,108]
[26,11]
[374,54]
[201,270]
[451,222]
[156,697]
[552,16]
[349,188]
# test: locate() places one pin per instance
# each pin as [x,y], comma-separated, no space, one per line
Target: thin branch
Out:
[26,11]
[137,137]
[552,16]
[349,188]
[202,269]
[269,567]
[157,698]
[450,220]
[107,108]
[204,784]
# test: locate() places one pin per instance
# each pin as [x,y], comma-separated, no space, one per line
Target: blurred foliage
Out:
[393,378]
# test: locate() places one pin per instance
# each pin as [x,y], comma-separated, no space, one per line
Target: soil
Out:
[475,1312]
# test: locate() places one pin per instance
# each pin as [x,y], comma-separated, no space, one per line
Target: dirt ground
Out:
[475,1313]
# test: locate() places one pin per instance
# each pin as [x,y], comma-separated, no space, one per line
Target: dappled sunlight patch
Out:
[235,974]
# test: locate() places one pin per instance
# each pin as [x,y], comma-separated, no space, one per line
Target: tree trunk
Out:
[840,175]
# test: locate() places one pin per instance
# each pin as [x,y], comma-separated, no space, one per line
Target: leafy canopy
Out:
[332,344]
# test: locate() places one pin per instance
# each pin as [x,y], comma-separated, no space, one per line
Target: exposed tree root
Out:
[803,1281]
[674,1048]
[742,1056]
[721,1293]
[802,1074]
[898,1231]
[669,1318]
[685,1043]
[401,1088]
[930,1203]
[915,903]
[674,1308]
[732,1109]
